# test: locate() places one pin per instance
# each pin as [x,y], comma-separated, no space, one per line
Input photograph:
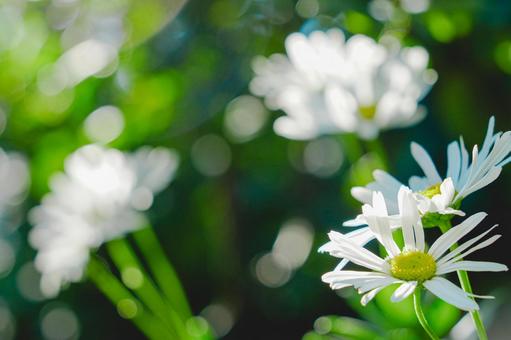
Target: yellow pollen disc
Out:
[431,191]
[413,266]
[367,112]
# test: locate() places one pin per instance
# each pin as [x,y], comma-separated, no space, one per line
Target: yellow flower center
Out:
[413,266]
[367,112]
[431,191]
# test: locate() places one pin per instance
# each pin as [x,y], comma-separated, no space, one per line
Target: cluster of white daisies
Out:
[390,207]
[101,195]
[327,84]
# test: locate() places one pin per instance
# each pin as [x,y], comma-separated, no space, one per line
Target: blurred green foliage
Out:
[176,71]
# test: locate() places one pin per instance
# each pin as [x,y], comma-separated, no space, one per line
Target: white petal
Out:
[453,161]
[356,222]
[366,298]
[357,254]
[490,177]
[463,246]
[481,245]
[345,278]
[417,183]
[450,293]
[379,204]
[471,266]
[422,158]
[403,291]
[381,229]
[410,217]
[375,283]
[452,236]
[362,194]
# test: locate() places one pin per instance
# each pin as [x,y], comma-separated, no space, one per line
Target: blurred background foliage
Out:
[248,209]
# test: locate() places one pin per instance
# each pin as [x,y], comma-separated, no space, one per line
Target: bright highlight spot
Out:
[323,157]
[293,243]
[127,308]
[27,280]
[132,278]
[220,317]
[7,257]
[245,116]
[270,273]
[197,326]
[307,8]
[211,155]
[60,323]
[415,6]
[104,124]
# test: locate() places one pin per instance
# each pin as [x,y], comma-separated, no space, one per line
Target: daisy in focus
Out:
[327,84]
[414,265]
[443,195]
[100,196]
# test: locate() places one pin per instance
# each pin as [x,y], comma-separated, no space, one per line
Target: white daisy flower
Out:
[327,84]
[414,265]
[438,195]
[98,197]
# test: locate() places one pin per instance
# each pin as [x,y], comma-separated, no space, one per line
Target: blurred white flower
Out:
[98,197]
[462,178]
[328,85]
[414,265]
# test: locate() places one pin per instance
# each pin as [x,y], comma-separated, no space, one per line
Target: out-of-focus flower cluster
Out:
[327,84]
[99,196]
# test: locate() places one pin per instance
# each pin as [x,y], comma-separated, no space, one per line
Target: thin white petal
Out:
[471,266]
[489,178]
[348,249]
[422,158]
[452,236]
[362,194]
[464,246]
[403,291]
[366,298]
[450,293]
[371,284]
[410,216]
[381,229]
[453,161]
[481,245]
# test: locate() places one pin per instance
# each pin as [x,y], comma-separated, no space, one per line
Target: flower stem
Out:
[476,316]
[115,291]
[420,315]
[136,278]
[163,271]
[467,287]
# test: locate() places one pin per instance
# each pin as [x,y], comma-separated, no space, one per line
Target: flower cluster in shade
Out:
[327,84]
[101,195]
[389,206]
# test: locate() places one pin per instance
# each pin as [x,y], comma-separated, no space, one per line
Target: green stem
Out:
[115,291]
[467,287]
[420,315]
[136,278]
[163,271]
